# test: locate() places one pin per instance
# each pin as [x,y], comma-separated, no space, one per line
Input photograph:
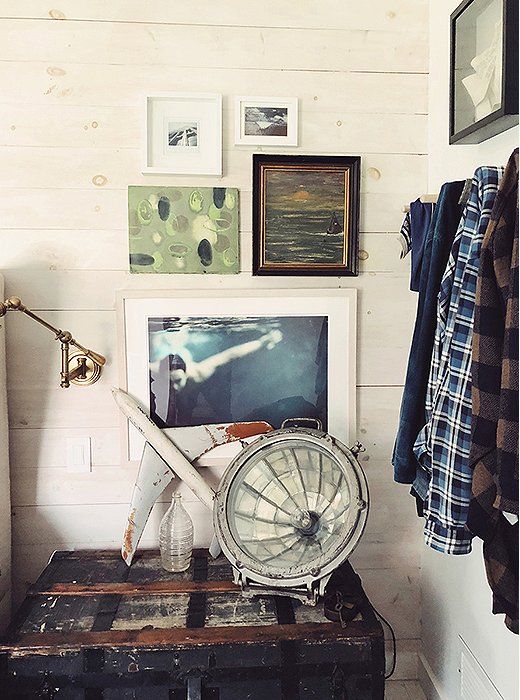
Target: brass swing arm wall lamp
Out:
[81,368]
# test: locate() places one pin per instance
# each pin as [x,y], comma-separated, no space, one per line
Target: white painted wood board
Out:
[374,14]
[5,501]
[271,48]
[92,95]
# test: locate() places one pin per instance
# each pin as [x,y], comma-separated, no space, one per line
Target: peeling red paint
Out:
[238,431]
[129,535]
[213,438]
[224,434]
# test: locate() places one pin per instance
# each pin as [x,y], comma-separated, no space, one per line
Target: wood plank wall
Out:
[73,81]
[5,487]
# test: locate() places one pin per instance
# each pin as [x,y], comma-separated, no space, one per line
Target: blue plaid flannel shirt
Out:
[442,446]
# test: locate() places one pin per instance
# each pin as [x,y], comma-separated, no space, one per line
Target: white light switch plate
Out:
[79,454]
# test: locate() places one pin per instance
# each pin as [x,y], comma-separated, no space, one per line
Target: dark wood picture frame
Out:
[478,37]
[305,215]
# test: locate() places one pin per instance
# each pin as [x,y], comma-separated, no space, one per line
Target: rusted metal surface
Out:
[167,453]
[197,440]
[128,536]
[159,455]
[224,434]
[152,478]
[240,431]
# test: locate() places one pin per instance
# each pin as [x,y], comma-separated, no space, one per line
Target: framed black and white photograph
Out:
[183,134]
[266,121]
[483,70]
[192,359]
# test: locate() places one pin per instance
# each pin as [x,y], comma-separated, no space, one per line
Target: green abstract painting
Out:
[183,230]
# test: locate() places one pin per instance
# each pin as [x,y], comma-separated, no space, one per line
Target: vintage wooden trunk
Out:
[93,628]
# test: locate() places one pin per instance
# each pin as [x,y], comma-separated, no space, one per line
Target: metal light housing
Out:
[290,508]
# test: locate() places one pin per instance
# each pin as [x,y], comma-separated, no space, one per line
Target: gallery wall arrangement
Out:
[305,208]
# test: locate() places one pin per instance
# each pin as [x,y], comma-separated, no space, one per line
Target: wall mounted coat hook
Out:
[81,368]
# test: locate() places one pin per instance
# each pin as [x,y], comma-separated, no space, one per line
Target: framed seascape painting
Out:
[269,121]
[305,215]
[183,134]
[193,358]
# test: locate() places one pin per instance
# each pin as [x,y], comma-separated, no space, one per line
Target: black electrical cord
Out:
[394,643]
[344,599]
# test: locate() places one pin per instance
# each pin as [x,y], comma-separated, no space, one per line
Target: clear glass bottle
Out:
[176,537]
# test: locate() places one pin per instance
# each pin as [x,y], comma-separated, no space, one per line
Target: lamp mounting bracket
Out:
[81,368]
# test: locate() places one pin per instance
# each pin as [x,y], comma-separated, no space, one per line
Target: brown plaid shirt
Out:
[495,426]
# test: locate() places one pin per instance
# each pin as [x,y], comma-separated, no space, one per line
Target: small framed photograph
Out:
[183,134]
[269,121]
[483,69]
[305,215]
[193,358]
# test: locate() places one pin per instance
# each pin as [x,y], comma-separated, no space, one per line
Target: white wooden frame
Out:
[338,305]
[288,105]
[199,116]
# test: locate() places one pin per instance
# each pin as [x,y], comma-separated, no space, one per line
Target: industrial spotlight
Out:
[290,508]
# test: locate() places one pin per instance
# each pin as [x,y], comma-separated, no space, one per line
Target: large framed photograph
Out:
[268,121]
[193,358]
[305,215]
[483,69]
[183,134]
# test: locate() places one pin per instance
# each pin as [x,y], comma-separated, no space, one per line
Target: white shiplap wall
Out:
[5,496]
[73,80]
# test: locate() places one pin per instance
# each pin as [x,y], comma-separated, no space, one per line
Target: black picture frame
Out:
[483,70]
[305,215]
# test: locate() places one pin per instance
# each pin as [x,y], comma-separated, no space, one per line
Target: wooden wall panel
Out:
[397,15]
[93,95]
[268,48]
[5,500]
[86,168]
[108,250]
[73,82]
